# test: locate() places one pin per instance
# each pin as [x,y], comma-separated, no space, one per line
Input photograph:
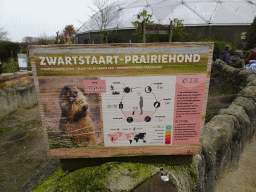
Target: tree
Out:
[251,34]
[69,33]
[45,40]
[178,30]
[3,34]
[104,13]
[29,40]
[8,50]
[142,17]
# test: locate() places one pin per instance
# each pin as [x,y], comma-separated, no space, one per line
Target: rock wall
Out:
[14,98]
[224,137]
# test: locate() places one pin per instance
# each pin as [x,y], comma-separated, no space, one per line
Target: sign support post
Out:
[144,31]
[170,31]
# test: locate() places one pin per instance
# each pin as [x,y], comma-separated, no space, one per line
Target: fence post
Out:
[144,31]
[170,31]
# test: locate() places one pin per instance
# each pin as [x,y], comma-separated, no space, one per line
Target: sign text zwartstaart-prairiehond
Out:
[115,59]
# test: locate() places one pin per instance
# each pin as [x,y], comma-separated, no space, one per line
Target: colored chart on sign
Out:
[168,134]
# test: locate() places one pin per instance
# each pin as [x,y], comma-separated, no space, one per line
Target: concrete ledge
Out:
[12,99]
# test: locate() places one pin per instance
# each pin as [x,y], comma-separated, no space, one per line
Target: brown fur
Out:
[75,122]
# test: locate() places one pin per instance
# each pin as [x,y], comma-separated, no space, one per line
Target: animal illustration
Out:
[75,122]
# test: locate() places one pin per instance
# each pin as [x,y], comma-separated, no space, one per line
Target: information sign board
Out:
[122,99]
[22,60]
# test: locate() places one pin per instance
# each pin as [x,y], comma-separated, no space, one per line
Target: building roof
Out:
[192,12]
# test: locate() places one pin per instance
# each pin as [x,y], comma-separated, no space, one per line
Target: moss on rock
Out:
[111,176]
[50,183]
[115,176]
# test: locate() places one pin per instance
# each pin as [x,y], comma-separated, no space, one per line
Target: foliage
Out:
[24,51]
[8,50]
[3,34]
[42,41]
[251,34]
[222,92]
[113,38]
[142,17]
[69,33]
[178,29]
[104,13]
[29,40]
[219,45]
[178,33]
[8,56]
[10,67]
[157,38]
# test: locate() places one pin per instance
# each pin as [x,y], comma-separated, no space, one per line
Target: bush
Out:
[251,34]
[157,38]
[10,67]
[179,32]
[8,50]
[219,45]
[113,38]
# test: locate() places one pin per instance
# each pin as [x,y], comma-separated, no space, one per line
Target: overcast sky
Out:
[35,18]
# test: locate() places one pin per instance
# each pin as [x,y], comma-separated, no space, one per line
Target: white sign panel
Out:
[22,59]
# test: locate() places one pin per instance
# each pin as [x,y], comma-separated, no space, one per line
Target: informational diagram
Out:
[138,111]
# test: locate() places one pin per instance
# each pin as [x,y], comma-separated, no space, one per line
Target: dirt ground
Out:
[242,177]
[22,148]
[221,95]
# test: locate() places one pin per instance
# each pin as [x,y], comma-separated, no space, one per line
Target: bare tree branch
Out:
[105,13]
[3,34]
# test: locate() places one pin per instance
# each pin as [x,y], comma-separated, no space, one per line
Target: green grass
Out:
[10,67]
[11,125]
[219,98]
[226,88]
[4,130]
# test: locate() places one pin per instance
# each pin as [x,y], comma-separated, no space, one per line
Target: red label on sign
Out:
[94,86]
[188,109]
